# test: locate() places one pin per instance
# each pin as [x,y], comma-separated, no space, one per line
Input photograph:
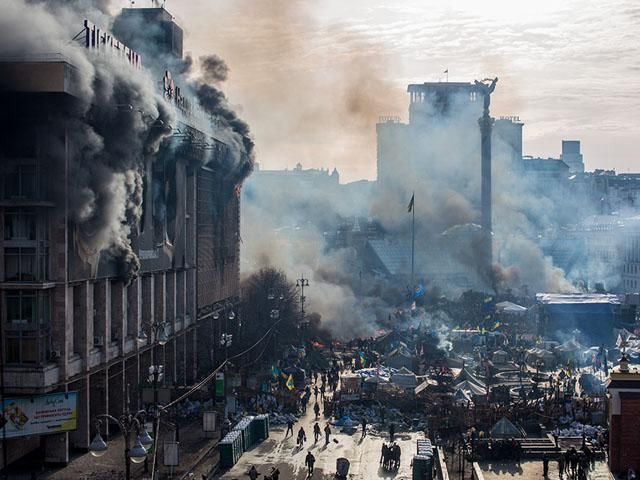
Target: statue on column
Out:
[486,89]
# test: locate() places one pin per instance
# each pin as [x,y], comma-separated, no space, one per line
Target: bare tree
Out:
[269,300]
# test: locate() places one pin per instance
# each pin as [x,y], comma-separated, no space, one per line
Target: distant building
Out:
[545,169]
[506,146]
[571,156]
[299,177]
[449,107]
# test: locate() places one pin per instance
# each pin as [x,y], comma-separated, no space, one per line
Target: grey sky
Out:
[569,69]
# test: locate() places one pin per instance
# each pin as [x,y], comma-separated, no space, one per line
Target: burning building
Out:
[120,233]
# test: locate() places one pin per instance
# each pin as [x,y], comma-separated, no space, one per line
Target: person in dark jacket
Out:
[309,461]
[327,432]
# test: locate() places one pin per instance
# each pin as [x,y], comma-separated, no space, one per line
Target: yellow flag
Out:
[290,384]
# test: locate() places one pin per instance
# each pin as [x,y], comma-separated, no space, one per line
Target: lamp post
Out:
[160,332]
[225,337]
[128,423]
[301,283]
[274,314]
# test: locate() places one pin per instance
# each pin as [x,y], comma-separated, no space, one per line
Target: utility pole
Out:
[302,283]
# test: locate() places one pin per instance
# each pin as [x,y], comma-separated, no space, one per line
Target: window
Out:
[22,347]
[20,264]
[20,224]
[27,325]
[19,140]
[20,181]
[27,307]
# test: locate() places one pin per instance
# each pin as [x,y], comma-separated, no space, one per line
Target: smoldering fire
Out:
[121,123]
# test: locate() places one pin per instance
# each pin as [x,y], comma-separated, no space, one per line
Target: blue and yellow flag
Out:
[362,359]
[275,372]
[290,384]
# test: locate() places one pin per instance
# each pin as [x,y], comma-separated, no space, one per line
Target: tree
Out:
[268,299]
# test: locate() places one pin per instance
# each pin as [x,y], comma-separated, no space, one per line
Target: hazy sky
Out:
[312,77]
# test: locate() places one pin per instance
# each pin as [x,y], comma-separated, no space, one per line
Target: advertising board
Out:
[38,415]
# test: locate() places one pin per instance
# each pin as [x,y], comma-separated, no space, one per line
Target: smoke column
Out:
[121,122]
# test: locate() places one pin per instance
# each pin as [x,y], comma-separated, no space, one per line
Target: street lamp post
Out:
[301,283]
[274,314]
[160,332]
[225,337]
[128,423]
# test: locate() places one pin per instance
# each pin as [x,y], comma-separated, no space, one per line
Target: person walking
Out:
[316,432]
[315,392]
[383,455]
[327,432]
[545,465]
[253,473]
[274,474]
[322,390]
[561,466]
[290,423]
[302,437]
[309,461]
[364,427]
[392,431]
[316,410]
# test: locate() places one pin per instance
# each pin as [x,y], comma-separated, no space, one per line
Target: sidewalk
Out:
[193,446]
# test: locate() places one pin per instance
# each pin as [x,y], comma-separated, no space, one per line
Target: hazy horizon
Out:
[311,80]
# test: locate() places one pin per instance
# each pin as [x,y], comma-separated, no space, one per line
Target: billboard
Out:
[38,415]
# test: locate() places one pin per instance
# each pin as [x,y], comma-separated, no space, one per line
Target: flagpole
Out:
[413,239]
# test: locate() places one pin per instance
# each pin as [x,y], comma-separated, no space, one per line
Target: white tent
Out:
[510,307]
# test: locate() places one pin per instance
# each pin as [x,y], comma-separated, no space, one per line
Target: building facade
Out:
[71,318]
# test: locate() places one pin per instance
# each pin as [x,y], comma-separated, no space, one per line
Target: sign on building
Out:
[38,415]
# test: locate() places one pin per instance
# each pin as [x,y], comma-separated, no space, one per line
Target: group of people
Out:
[274,474]
[575,464]
[302,435]
[390,457]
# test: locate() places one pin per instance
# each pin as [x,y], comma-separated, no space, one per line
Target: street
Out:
[363,454]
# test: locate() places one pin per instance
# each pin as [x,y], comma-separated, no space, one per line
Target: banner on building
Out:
[38,415]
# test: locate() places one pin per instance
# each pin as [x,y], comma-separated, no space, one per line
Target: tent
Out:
[540,354]
[511,308]
[404,378]
[460,396]
[500,356]
[399,358]
[465,374]
[504,428]
[473,389]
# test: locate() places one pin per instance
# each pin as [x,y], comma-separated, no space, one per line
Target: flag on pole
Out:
[411,203]
[290,383]
[362,359]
